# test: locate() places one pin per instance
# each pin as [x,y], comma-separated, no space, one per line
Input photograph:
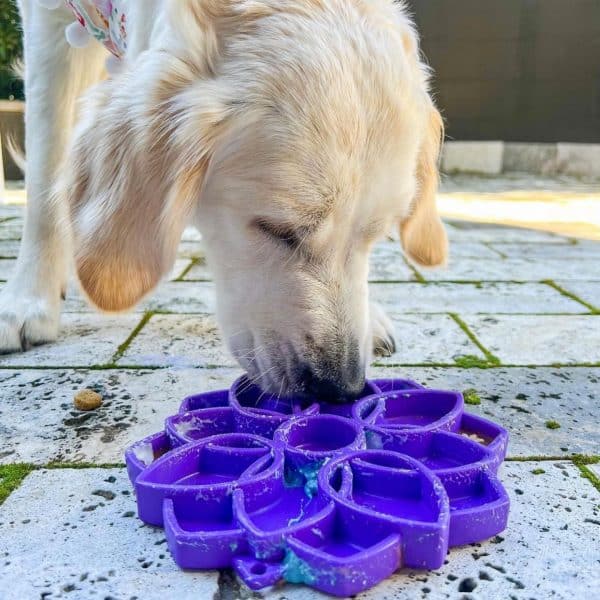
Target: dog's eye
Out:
[283,234]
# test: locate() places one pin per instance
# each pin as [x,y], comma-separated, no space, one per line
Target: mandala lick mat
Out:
[336,497]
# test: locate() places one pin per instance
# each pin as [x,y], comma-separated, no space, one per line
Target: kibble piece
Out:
[87,400]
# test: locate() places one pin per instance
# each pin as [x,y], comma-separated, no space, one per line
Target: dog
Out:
[292,133]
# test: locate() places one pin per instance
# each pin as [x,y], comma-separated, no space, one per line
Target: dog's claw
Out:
[384,347]
[384,344]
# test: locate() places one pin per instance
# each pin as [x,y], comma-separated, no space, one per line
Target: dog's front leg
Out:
[55,76]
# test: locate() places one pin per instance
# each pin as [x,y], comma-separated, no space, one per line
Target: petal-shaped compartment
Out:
[205,400]
[188,427]
[445,451]
[479,506]
[400,492]
[311,440]
[343,555]
[206,470]
[491,435]
[411,416]
[261,414]
[143,453]
[270,518]
[209,540]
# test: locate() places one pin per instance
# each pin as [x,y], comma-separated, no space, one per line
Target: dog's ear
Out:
[423,234]
[133,176]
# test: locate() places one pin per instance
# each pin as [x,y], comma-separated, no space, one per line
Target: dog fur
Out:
[292,133]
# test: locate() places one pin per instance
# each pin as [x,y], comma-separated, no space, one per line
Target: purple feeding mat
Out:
[336,497]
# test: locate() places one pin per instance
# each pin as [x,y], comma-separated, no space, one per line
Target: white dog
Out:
[292,133]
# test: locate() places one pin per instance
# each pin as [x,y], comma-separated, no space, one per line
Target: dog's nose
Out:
[340,390]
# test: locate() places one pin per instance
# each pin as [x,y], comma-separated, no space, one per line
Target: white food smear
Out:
[144,453]
[184,427]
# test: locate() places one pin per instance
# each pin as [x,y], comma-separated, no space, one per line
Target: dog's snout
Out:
[340,380]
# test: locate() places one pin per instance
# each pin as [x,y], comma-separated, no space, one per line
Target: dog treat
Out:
[87,400]
[333,497]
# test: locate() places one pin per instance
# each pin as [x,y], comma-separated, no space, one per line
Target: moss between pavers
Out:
[470,361]
[193,262]
[472,397]
[417,274]
[11,477]
[123,347]
[538,471]
[552,424]
[82,465]
[581,463]
[571,295]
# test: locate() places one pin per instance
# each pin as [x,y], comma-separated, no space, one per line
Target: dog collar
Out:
[103,20]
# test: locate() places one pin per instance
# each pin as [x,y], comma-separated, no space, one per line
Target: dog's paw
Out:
[382,330]
[26,320]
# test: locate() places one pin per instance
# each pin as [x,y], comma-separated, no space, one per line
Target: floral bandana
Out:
[104,20]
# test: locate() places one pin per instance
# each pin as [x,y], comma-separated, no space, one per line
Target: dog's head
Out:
[294,138]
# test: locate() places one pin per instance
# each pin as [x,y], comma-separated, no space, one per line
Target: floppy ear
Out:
[133,175]
[423,234]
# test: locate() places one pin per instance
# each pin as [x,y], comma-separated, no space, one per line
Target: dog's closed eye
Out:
[285,234]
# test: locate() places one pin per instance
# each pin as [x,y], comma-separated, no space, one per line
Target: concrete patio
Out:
[515,319]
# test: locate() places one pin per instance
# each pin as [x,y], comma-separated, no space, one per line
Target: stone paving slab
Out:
[11,228]
[422,339]
[190,249]
[469,298]
[84,340]
[465,249]
[539,339]
[523,400]
[191,234]
[183,297]
[180,267]
[179,341]
[93,545]
[513,269]
[579,251]
[6,268]
[61,539]
[387,263]
[198,272]
[588,291]
[12,219]
[462,231]
[9,248]
[11,211]
[38,423]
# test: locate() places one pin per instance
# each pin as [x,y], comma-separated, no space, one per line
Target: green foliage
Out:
[10,49]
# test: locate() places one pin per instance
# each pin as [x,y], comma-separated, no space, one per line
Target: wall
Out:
[515,70]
